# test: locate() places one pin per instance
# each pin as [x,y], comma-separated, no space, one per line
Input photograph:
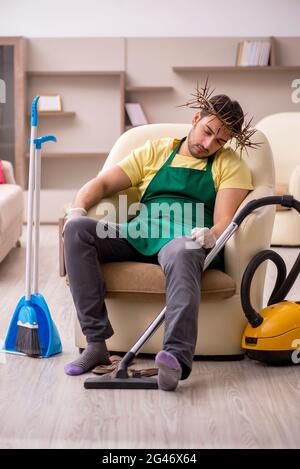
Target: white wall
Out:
[149,18]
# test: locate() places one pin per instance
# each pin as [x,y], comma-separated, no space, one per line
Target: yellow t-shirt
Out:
[141,165]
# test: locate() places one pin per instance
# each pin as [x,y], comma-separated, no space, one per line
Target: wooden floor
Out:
[222,405]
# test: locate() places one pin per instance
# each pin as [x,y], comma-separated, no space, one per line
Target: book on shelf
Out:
[136,114]
[253,53]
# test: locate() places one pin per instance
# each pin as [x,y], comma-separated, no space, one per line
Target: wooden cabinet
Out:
[12,103]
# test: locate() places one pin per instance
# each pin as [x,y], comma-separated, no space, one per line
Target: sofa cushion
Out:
[138,277]
[2,177]
[11,204]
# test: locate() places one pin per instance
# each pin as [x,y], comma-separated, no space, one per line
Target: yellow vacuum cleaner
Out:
[273,334]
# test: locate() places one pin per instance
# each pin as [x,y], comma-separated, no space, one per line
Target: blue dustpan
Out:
[48,336]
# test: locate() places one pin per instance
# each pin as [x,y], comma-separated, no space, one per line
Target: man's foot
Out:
[169,370]
[95,354]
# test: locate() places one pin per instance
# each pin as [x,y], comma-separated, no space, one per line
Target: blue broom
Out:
[32,330]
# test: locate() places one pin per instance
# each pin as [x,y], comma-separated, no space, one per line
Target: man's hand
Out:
[75,212]
[204,236]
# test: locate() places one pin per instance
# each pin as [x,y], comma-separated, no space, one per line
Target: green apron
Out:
[152,228]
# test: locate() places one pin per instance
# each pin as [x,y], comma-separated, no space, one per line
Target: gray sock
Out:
[169,370]
[95,354]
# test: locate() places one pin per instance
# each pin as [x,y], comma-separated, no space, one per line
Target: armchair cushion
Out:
[137,277]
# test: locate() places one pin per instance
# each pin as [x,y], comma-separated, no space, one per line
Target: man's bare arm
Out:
[107,183]
[227,203]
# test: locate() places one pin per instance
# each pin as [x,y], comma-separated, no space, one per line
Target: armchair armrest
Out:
[8,172]
[294,183]
[253,235]
[107,209]
[114,208]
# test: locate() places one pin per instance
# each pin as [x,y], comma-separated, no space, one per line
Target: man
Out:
[196,170]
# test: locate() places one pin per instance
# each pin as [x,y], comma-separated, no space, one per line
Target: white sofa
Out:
[282,131]
[11,211]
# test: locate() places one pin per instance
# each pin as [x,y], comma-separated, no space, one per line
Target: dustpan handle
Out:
[36,220]
[38,142]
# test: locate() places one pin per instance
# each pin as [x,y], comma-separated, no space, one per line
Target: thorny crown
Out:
[216,106]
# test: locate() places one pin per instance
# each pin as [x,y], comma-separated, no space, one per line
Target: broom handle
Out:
[33,135]
[36,220]
[37,180]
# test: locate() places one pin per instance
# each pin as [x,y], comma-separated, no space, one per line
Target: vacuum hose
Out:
[283,283]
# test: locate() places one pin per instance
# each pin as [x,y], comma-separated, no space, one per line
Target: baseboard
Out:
[218,358]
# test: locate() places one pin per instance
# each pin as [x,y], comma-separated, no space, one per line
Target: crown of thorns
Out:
[201,100]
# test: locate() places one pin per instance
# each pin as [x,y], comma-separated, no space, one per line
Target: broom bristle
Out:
[28,341]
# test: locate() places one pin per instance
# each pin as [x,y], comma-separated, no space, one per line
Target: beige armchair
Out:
[282,131]
[11,211]
[136,291]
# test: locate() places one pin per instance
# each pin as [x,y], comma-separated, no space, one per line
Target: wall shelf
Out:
[73,154]
[55,114]
[149,88]
[64,73]
[238,68]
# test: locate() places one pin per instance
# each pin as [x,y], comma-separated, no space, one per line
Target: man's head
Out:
[209,133]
